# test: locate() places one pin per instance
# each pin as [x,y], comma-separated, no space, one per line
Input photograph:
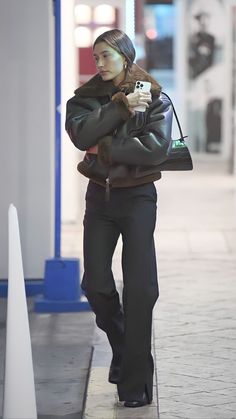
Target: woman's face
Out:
[109,63]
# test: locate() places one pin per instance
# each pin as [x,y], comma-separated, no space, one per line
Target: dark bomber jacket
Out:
[129,146]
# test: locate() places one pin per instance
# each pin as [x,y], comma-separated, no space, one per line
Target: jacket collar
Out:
[97,87]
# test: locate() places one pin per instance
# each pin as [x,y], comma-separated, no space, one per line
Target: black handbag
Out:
[178,156]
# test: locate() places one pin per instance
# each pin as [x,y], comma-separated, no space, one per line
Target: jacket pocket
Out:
[92,168]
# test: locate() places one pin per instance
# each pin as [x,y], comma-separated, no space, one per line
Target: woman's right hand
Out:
[139,98]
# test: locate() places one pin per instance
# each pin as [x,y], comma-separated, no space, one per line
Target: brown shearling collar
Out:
[97,87]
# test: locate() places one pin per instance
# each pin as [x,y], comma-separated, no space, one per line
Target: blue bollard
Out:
[61,290]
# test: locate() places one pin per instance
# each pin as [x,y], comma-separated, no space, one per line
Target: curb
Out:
[101,400]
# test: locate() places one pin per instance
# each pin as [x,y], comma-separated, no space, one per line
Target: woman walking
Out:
[123,149]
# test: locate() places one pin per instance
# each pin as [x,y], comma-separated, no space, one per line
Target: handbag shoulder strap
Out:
[176,117]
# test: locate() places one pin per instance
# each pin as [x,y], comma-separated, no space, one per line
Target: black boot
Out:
[138,403]
[115,370]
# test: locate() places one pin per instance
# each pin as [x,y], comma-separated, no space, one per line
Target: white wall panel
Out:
[27,129]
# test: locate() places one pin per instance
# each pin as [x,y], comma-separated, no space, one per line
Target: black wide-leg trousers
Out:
[131,213]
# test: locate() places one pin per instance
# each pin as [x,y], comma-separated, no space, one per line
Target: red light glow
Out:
[151,33]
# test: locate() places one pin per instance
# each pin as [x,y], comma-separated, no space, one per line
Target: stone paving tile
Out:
[230,237]
[231,408]
[203,398]
[190,411]
[101,396]
[202,241]
[145,412]
[169,241]
[208,413]
[171,416]
[185,385]
[229,391]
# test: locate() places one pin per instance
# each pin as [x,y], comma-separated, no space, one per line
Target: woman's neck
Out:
[119,79]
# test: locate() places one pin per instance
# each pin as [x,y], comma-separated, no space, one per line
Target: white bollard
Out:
[19,388]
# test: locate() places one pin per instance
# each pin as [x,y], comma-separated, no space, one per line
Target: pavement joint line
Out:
[155,369]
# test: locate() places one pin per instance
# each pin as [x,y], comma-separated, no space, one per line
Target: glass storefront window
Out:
[159,29]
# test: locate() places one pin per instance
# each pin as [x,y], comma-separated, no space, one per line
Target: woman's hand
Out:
[139,98]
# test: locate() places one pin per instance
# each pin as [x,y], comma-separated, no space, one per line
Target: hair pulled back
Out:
[119,41]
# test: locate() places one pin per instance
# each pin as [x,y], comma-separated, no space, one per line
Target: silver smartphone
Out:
[142,86]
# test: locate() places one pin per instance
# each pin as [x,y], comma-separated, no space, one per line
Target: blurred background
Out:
[189,46]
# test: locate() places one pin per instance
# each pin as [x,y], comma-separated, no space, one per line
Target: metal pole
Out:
[57,243]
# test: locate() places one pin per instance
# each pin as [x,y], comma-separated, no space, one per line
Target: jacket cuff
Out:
[104,150]
[122,101]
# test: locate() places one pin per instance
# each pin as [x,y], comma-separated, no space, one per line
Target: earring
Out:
[125,66]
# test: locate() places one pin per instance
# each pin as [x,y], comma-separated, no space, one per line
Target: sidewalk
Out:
[194,325]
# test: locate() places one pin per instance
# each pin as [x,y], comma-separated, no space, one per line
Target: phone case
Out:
[142,86]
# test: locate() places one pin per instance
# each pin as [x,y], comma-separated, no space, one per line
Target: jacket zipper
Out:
[107,192]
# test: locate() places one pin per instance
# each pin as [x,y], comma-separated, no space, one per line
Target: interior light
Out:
[104,13]
[99,31]
[83,37]
[83,13]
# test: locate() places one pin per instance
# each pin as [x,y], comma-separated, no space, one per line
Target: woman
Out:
[123,149]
